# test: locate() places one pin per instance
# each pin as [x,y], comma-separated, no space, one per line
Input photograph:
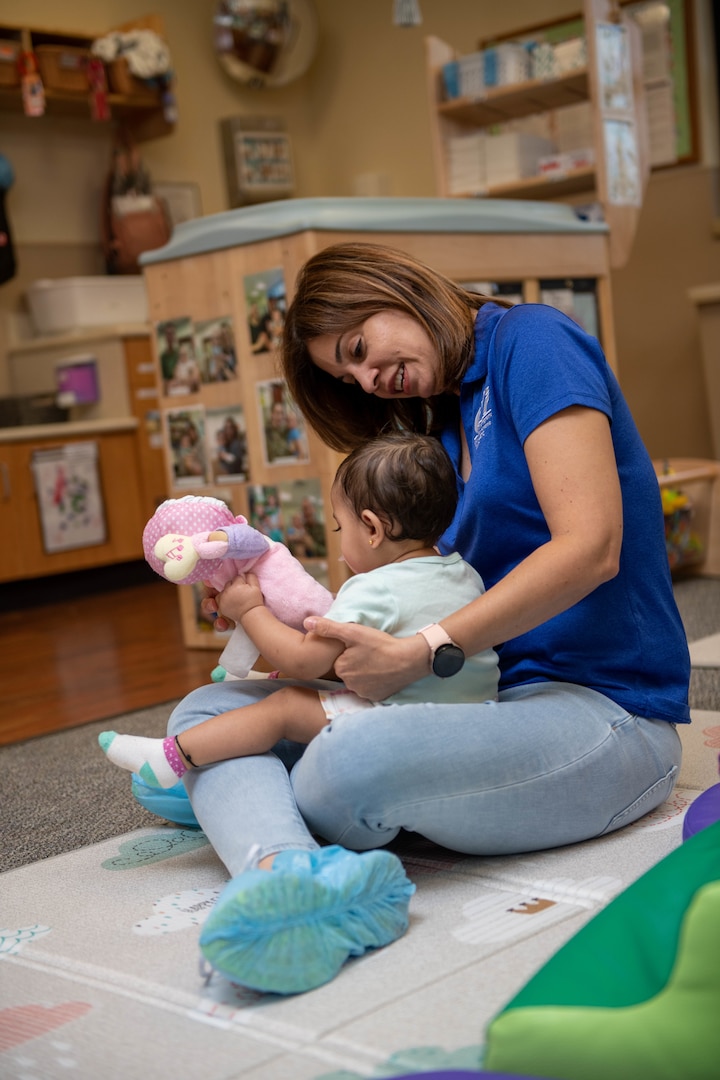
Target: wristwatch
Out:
[446,658]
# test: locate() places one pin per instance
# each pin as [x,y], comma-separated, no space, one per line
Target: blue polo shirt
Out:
[626,638]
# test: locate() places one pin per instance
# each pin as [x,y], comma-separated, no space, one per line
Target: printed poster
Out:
[70,502]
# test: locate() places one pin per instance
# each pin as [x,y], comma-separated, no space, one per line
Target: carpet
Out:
[99,967]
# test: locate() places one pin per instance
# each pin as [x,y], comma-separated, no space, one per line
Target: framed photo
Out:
[215,350]
[284,434]
[186,439]
[292,513]
[258,159]
[182,200]
[176,349]
[265,299]
[226,435]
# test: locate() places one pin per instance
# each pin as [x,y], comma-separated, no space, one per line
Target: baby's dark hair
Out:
[407,480]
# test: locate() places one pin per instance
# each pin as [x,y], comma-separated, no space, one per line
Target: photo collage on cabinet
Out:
[208,445]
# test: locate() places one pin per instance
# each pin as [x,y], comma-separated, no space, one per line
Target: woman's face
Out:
[389,355]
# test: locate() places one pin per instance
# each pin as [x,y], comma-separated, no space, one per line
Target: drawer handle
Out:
[5,481]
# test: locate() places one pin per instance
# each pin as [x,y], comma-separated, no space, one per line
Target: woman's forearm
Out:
[550,580]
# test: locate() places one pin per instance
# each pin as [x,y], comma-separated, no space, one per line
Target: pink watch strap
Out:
[435,637]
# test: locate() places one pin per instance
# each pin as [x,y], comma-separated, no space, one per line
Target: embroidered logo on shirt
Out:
[483,417]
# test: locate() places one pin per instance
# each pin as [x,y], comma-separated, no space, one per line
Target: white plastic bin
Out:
[76,302]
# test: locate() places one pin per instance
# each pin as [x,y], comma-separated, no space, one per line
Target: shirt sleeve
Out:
[545,363]
[359,601]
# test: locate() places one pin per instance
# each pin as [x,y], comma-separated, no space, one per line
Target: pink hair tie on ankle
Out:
[174,760]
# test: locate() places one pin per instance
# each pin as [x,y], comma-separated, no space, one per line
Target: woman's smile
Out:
[389,355]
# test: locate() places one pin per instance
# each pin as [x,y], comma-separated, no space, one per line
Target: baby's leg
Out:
[293,713]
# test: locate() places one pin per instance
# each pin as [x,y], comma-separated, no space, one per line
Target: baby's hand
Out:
[239,596]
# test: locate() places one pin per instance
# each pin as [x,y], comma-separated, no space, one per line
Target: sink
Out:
[30,410]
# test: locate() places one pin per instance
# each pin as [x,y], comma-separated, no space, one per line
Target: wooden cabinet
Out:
[218,269]
[145,407]
[618,135]
[204,297]
[140,112]
[22,550]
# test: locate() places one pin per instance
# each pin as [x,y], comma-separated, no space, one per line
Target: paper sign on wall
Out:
[69,497]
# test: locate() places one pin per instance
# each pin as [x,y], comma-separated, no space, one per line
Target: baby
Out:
[392,500]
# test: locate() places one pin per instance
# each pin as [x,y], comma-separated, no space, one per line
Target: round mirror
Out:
[265,42]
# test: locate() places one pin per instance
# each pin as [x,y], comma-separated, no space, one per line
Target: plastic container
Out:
[73,303]
[688,491]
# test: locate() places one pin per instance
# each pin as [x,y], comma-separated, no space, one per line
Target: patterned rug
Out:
[99,973]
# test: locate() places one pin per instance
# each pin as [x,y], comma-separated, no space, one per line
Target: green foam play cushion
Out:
[636,993]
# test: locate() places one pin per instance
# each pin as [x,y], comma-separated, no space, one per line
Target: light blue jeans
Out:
[549,764]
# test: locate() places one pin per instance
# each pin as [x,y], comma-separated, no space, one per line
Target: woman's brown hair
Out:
[339,288]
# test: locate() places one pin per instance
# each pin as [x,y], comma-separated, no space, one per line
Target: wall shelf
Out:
[142,114]
[604,183]
[515,102]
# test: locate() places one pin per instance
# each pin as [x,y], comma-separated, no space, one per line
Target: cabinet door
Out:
[118,473]
[11,533]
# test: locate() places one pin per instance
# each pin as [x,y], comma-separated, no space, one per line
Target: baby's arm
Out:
[298,655]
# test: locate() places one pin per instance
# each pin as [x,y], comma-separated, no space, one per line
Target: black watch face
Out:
[448,661]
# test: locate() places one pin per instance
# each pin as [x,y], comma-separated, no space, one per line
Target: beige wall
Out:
[359,120]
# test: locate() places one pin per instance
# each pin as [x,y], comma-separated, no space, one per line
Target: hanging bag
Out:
[134,219]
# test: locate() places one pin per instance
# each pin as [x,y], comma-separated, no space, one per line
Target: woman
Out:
[559,511]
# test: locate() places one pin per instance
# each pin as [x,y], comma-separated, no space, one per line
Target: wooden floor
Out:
[86,647]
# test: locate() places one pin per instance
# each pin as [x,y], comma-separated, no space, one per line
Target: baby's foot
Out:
[156,761]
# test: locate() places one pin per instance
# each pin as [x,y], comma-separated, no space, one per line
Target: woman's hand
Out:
[239,596]
[374,664]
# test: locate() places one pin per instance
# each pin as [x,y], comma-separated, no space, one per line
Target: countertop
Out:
[68,429]
[80,336]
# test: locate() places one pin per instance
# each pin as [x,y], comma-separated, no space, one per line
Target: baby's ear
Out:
[177,554]
[376,528]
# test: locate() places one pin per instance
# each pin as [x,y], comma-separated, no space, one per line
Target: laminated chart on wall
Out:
[69,496]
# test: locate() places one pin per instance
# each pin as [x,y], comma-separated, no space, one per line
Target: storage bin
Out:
[122,81]
[63,67]
[690,491]
[73,303]
[9,70]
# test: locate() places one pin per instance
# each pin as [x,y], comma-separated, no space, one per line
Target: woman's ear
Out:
[376,528]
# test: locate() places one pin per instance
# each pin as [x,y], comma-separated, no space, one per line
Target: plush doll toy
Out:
[197,538]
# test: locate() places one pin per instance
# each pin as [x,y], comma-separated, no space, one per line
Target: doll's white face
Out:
[177,554]
[390,355]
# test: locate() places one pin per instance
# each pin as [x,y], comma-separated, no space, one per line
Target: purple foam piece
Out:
[703,811]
